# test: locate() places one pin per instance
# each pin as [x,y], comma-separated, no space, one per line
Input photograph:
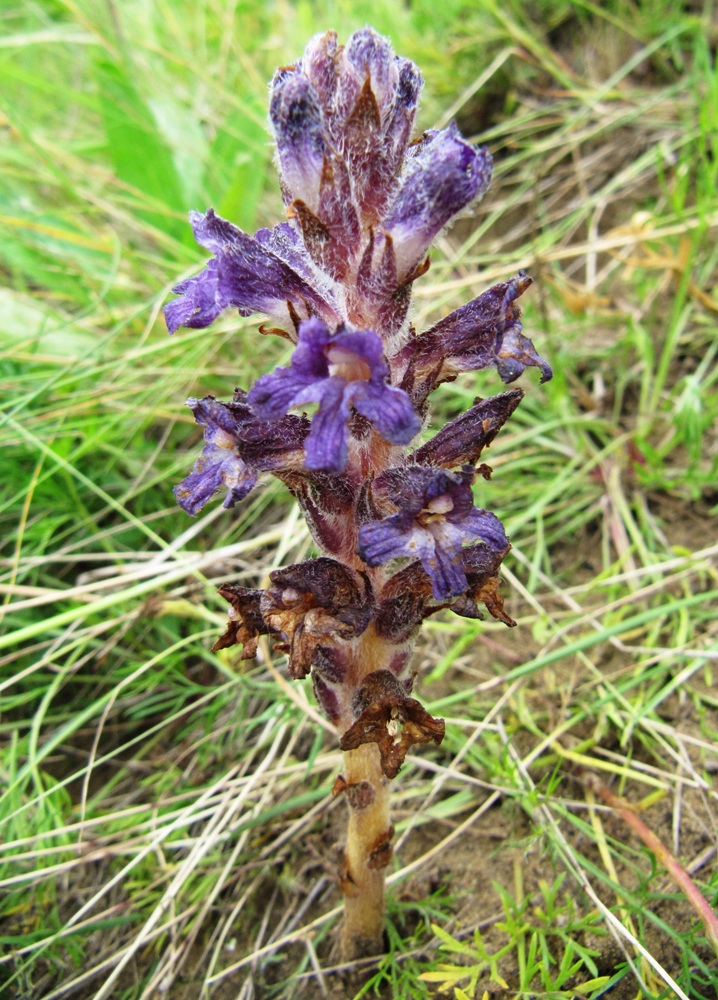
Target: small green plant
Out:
[543,942]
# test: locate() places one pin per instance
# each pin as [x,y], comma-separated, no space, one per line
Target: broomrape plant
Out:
[399,535]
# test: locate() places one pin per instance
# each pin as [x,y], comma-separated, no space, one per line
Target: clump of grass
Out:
[144,841]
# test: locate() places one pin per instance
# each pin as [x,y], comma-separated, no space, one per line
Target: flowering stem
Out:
[367,854]
[365,785]
[363,205]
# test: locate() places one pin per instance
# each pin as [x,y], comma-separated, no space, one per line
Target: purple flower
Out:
[247,273]
[219,464]
[436,516]
[485,332]
[340,372]
[237,447]
[442,176]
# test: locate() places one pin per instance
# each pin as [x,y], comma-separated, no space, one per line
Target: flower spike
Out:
[398,535]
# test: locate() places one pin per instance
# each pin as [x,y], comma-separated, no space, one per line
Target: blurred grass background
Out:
[165,816]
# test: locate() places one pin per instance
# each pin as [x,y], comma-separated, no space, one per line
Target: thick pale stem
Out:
[368,851]
[369,830]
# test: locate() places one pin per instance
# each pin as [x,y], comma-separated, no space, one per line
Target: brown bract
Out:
[360,795]
[480,567]
[463,439]
[303,628]
[380,856]
[391,720]
[311,603]
[245,623]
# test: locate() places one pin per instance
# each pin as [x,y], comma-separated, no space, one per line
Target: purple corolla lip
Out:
[340,372]
[436,517]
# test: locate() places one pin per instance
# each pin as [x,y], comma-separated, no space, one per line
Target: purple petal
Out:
[198,488]
[244,274]
[237,447]
[447,577]
[217,234]
[442,177]
[484,526]
[412,488]
[455,485]
[199,304]
[337,372]
[326,447]
[275,393]
[220,463]
[217,417]
[391,538]
[516,353]
[285,242]
[250,276]
[367,345]
[297,122]
[308,357]
[214,469]
[388,409]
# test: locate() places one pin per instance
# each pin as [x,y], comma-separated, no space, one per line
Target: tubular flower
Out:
[442,175]
[220,463]
[363,202]
[238,447]
[249,273]
[338,371]
[436,516]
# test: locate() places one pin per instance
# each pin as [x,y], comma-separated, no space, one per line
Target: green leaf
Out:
[137,149]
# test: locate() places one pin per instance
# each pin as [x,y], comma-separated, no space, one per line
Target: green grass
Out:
[165,815]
